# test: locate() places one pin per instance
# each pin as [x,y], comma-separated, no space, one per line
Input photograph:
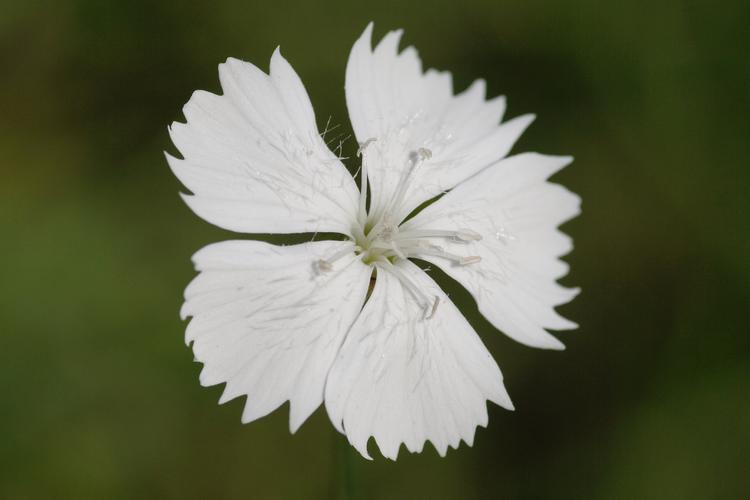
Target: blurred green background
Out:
[650,399]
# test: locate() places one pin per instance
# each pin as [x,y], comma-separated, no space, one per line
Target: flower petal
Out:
[269,324]
[402,378]
[516,212]
[404,109]
[254,158]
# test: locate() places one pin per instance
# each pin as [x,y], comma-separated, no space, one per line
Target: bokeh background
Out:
[100,397]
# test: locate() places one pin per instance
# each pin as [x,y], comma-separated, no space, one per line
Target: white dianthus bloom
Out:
[396,360]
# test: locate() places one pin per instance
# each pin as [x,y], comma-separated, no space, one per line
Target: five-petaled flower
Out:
[396,360]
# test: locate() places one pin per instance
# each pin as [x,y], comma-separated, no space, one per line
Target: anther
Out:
[468,235]
[472,259]
[322,266]
[363,146]
[419,156]
[434,307]
[424,153]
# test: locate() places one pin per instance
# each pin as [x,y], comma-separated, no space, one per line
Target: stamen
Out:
[362,215]
[397,251]
[384,230]
[387,248]
[321,266]
[429,304]
[423,248]
[414,160]
[464,235]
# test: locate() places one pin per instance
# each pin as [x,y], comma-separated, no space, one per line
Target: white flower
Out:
[397,361]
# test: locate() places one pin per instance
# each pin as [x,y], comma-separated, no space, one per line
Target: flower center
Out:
[380,240]
[378,237]
[385,241]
